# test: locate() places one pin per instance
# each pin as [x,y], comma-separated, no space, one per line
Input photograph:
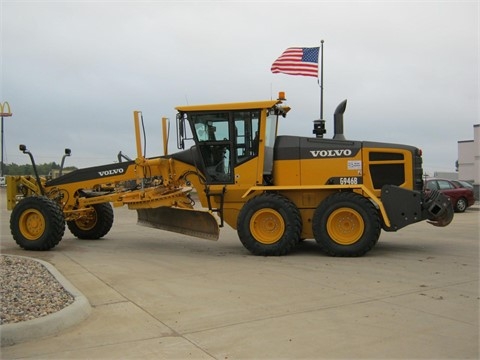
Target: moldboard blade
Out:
[196,223]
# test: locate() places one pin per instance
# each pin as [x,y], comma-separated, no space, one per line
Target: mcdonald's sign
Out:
[5,109]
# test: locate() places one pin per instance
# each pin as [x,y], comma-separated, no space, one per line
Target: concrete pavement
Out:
[159,295]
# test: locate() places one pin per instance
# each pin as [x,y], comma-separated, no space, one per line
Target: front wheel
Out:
[93,226]
[37,223]
[269,224]
[346,224]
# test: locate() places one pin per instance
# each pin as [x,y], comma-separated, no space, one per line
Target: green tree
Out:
[27,169]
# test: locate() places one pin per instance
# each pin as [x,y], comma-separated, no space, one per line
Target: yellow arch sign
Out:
[5,109]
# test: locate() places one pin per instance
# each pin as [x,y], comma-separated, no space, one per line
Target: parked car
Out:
[462,183]
[460,196]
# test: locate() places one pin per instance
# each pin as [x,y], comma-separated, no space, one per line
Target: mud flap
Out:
[196,223]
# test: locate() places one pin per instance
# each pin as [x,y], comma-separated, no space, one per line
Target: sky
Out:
[73,72]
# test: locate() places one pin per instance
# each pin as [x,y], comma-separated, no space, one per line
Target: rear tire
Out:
[37,223]
[346,224]
[269,225]
[96,225]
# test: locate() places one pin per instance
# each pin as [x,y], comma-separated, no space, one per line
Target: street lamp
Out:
[4,112]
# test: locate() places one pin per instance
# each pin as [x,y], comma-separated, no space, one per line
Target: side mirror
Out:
[67,153]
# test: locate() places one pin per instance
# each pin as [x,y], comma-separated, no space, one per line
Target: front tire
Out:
[37,223]
[346,224]
[94,226]
[269,225]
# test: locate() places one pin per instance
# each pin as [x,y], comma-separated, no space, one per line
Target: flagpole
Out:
[321,80]
[319,125]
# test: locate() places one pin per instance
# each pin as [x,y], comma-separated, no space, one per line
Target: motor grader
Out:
[274,190]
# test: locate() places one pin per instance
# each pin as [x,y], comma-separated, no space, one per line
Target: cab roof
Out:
[266,104]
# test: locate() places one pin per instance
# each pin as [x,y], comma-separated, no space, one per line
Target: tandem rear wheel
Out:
[346,224]
[37,223]
[269,225]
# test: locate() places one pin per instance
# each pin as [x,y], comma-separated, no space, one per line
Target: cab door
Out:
[213,135]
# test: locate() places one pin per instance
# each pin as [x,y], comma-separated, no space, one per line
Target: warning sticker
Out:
[354,165]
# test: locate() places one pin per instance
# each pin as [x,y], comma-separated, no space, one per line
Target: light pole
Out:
[4,112]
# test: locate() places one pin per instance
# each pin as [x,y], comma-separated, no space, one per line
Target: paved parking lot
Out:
[159,295]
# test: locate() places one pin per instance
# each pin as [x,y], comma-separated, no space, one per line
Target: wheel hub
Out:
[32,225]
[345,226]
[267,226]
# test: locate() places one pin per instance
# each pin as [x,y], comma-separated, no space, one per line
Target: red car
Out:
[460,196]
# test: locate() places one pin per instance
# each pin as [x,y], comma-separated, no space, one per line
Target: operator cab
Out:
[224,140]
[229,135]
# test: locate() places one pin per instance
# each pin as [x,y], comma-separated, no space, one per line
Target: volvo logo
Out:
[331,153]
[111,172]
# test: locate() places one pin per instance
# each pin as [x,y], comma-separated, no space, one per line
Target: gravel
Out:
[28,290]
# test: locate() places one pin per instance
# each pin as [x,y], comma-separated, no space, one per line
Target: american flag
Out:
[297,61]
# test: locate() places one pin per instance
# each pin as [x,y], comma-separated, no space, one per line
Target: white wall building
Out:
[469,159]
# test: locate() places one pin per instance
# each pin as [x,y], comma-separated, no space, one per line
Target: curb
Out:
[50,324]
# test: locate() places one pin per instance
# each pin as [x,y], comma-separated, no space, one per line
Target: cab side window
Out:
[246,135]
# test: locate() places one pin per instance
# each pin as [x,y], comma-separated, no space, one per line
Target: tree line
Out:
[27,169]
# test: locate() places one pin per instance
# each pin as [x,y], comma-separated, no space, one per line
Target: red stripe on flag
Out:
[290,62]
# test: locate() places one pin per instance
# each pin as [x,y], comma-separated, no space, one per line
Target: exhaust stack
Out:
[338,121]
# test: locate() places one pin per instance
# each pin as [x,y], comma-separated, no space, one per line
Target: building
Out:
[469,160]
[446,175]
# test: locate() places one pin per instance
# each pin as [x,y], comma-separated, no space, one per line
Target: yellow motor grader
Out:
[274,190]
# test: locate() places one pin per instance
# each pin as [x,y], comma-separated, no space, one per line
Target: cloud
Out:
[73,72]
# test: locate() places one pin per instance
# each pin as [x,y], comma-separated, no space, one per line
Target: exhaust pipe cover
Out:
[338,121]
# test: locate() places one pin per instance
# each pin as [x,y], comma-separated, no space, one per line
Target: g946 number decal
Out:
[351,180]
